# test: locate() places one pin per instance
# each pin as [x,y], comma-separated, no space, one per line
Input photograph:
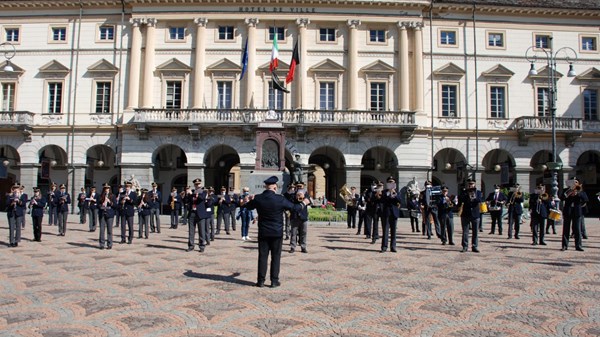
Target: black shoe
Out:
[534,243]
[201,250]
[357,233]
[275,284]
[152,231]
[475,250]
[393,250]
[418,230]
[349,227]
[491,233]
[228,233]
[101,247]
[287,237]
[17,245]
[259,284]
[129,242]
[563,249]
[579,249]
[443,243]
[122,241]
[481,230]
[292,250]
[304,250]
[584,237]
[464,250]
[189,249]
[373,241]
[451,243]
[517,237]
[139,237]
[547,232]
[109,247]
[382,250]
[542,243]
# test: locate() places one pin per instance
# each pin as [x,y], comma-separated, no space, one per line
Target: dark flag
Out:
[295,61]
[244,60]
[277,85]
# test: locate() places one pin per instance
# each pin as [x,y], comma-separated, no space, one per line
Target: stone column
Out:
[134,65]
[250,75]
[300,76]
[404,70]
[147,94]
[353,176]
[29,176]
[419,75]
[195,171]
[353,65]
[199,60]
[245,171]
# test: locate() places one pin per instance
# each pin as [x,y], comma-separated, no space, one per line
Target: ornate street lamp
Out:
[9,51]
[570,55]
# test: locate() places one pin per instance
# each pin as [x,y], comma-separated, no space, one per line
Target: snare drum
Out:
[555,215]
[483,207]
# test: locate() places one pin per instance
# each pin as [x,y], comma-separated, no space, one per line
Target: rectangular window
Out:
[226,33]
[543,102]
[55,90]
[59,34]
[8,97]
[173,97]
[177,33]
[377,35]
[224,91]
[448,37]
[327,95]
[107,33]
[327,34]
[496,40]
[12,35]
[275,97]
[542,41]
[589,43]
[103,95]
[280,31]
[590,104]
[378,91]
[449,100]
[497,102]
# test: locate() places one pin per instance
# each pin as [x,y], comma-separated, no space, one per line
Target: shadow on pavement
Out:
[165,247]
[79,244]
[230,279]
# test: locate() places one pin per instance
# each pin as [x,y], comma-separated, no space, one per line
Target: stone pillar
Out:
[419,74]
[300,76]
[353,176]
[29,176]
[353,65]
[245,171]
[404,69]
[147,93]
[134,65]
[195,171]
[250,75]
[199,60]
[79,179]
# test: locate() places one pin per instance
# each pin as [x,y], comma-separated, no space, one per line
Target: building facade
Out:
[106,91]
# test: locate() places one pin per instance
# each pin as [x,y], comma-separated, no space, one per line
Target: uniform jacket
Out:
[13,210]
[573,205]
[544,206]
[470,207]
[516,206]
[270,207]
[445,207]
[126,207]
[495,201]
[37,210]
[63,200]
[391,204]
[92,204]
[177,201]
[204,205]
[110,209]
[154,198]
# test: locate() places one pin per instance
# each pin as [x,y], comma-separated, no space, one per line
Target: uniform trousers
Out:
[62,222]
[223,217]
[52,216]
[93,212]
[174,218]
[496,219]
[273,246]
[574,222]
[299,230]
[127,221]
[209,228]
[447,229]
[361,220]
[388,226]
[106,231]
[82,213]
[375,226]
[14,229]
[471,224]
[369,217]
[37,227]
[194,222]
[537,227]
[351,217]
[514,221]
[232,217]
[144,224]
[155,219]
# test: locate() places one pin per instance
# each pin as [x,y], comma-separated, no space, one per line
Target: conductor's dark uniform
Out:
[270,207]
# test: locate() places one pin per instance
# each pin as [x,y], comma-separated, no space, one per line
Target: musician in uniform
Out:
[155,199]
[414,210]
[127,201]
[120,190]
[574,199]
[515,210]
[81,204]
[209,223]
[299,220]
[106,214]
[391,213]
[270,207]
[92,201]
[235,200]
[377,201]
[351,208]
[223,204]
[175,206]
[446,218]
[144,209]
[37,204]
[430,211]
[194,201]
[62,210]
[468,204]
[539,206]
[52,204]
[25,197]
[185,204]
[290,195]
[14,212]
[361,205]
[496,201]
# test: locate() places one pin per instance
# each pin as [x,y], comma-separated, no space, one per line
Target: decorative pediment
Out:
[544,74]
[498,71]
[450,69]
[103,68]
[591,74]
[282,67]
[327,65]
[224,65]
[54,69]
[379,67]
[174,65]
[15,73]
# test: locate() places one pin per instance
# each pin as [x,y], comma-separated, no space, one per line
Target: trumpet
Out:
[545,197]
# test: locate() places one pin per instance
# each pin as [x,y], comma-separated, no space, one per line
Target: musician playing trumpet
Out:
[539,206]
[574,200]
[36,206]
[515,210]
[446,218]
[468,204]
[391,213]
[175,206]
[496,201]
[64,200]
[126,202]
[14,212]
[107,205]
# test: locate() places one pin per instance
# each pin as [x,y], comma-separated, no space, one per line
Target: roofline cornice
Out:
[516,10]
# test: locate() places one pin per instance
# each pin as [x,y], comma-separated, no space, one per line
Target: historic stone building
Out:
[102,90]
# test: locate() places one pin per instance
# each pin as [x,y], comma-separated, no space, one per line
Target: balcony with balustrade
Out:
[527,127]
[19,121]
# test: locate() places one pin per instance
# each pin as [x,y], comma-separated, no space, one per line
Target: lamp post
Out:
[9,51]
[551,58]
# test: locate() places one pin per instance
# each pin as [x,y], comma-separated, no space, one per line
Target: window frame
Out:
[48,97]
[447,45]
[14,95]
[169,38]
[334,96]
[335,39]
[378,43]
[536,34]
[181,82]
[233,88]
[491,86]
[583,106]
[270,39]
[441,99]
[498,32]
[51,34]
[218,34]
[99,38]
[270,92]
[385,95]
[537,105]
[5,35]
[110,103]
[594,37]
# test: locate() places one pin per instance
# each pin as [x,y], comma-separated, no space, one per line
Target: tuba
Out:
[347,196]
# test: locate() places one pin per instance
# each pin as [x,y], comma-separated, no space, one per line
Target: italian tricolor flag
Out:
[274,54]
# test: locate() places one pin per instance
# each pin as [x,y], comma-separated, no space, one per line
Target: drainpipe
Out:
[476,94]
[432,101]
[119,114]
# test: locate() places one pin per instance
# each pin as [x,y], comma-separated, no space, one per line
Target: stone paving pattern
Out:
[67,287]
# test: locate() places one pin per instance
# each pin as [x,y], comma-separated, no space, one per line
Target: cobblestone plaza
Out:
[66,286]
